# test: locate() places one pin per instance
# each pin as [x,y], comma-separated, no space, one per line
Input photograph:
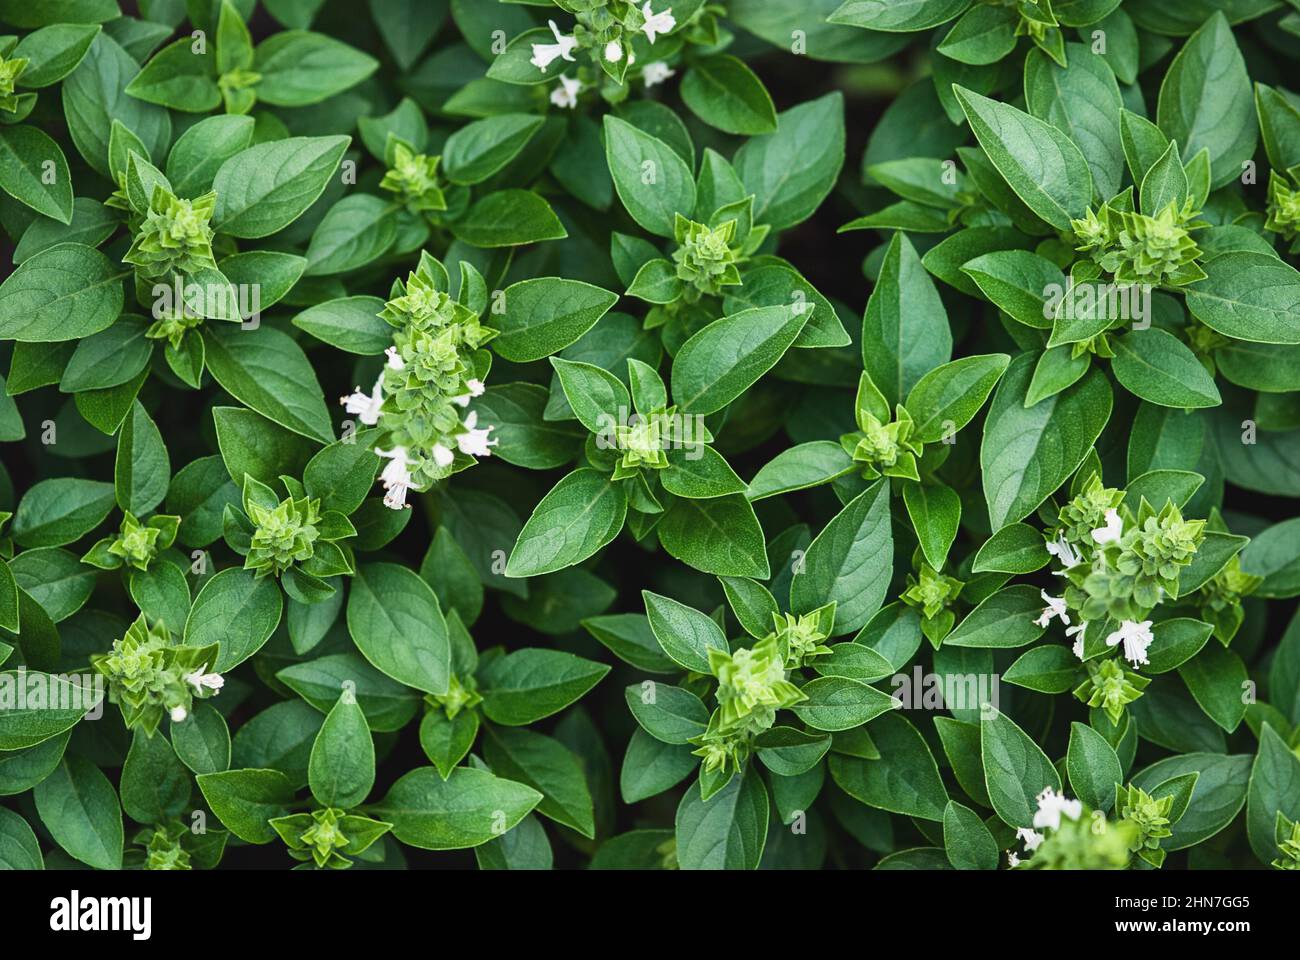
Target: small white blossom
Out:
[1137,637]
[395,361]
[1012,860]
[656,73]
[1077,632]
[476,389]
[544,54]
[365,407]
[1064,551]
[1031,838]
[1050,807]
[201,681]
[395,476]
[565,95]
[613,51]
[657,23]
[1055,608]
[442,456]
[1113,529]
[473,441]
[178,714]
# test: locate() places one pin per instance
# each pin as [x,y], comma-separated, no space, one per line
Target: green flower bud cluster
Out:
[328,837]
[238,89]
[173,326]
[1283,207]
[882,447]
[643,442]
[1137,248]
[136,544]
[1288,842]
[799,638]
[173,235]
[413,177]
[1220,598]
[148,675]
[164,849]
[1110,686]
[1158,549]
[706,257]
[1149,817]
[462,694]
[283,534]
[290,537]
[10,71]
[1204,341]
[1092,233]
[752,686]
[933,593]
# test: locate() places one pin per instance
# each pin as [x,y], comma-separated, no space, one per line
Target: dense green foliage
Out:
[450,428]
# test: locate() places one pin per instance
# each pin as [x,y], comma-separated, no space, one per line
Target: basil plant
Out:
[700,434]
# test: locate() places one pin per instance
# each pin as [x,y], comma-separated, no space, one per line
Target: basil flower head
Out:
[1154,250]
[752,686]
[884,449]
[462,694]
[1093,233]
[149,675]
[428,382]
[933,593]
[1110,686]
[1283,207]
[173,326]
[413,177]
[324,836]
[283,535]
[705,256]
[136,544]
[1220,598]
[1155,552]
[163,850]
[643,441]
[800,637]
[420,301]
[290,537]
[174,235]
[1287,832]
[1150,819]
[10,71]
[328,837]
